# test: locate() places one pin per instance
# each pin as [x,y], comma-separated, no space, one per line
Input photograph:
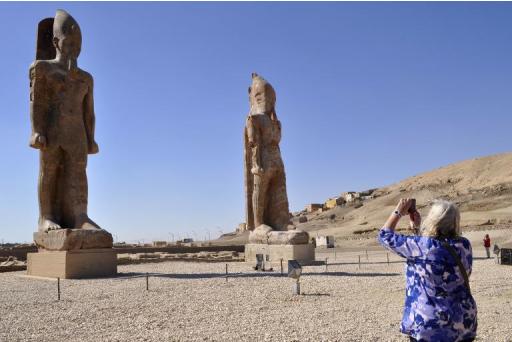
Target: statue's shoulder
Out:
[40,65]
[84,75]
[254,119]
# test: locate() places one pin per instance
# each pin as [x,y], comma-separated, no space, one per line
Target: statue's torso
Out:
[65,92]
[269,133]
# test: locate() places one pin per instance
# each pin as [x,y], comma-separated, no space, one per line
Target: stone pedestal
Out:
[73,239]
[304,253]
[73,264]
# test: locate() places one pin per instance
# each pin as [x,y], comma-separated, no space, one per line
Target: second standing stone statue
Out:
[267,212]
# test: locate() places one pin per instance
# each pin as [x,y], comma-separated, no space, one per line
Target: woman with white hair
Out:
[439,306]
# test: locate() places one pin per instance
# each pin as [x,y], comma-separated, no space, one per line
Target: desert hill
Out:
[482,187]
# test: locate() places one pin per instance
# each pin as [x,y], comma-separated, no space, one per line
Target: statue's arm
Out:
[278,133]
[253,135]
[38,105]
[89,117]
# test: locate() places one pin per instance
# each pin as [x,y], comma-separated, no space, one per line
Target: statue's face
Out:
[68,46]
[261,99]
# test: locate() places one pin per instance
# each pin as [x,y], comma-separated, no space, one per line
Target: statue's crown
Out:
[258,79]
[64,25]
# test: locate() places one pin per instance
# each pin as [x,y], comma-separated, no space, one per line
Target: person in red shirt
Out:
[487,245]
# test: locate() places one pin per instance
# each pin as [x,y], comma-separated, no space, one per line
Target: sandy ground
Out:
[193,302]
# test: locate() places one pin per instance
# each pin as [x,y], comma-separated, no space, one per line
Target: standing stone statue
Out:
[62,117]
[265,181]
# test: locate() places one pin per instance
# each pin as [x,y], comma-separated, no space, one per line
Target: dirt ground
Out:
[194,302]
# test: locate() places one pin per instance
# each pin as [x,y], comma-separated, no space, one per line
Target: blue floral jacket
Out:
[438,305]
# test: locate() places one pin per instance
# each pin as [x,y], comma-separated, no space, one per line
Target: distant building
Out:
[325,241]
[242,227]
[333,202]
[367,193]
[313,207]
[351,196]
[159,243]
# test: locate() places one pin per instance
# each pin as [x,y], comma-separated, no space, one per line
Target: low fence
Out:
[20,253]
[179,249]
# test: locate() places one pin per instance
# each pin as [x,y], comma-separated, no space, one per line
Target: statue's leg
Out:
[259,199]
[50,159]
[278,210]
[78,189]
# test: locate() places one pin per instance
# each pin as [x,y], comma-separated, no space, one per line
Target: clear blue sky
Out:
[368,94]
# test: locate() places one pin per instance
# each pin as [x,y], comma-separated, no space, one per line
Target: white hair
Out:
[443,220]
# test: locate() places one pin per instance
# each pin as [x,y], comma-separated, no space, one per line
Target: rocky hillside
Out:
[482,187]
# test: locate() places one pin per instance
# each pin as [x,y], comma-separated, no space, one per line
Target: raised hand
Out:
[93,148]
[403,205]
[37,141]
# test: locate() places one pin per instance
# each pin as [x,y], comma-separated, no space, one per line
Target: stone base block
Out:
[304,253]
[73,239]
[76,264]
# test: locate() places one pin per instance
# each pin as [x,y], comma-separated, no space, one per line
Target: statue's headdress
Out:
[268,87]
[63,25]
[269,90]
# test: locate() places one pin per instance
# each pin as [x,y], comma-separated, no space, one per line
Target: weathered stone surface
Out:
[73,239]
[266,235]
[260,234]
[302,253]
[265,180]
[290,237]
[63,123]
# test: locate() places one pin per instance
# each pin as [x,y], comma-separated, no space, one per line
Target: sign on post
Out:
[294,272]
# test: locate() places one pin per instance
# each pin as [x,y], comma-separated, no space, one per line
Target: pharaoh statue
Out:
[267,212]
[62,120]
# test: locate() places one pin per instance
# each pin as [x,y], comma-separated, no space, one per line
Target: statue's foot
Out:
[46,224]
[85,222]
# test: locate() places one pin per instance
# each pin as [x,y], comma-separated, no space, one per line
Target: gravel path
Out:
[193,302]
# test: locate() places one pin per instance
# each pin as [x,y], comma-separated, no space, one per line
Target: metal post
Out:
[226,273]
[326,265]
[366,255]
[58,288]
[281,266]
[296,288]
[387,257]
[147,282]
[359,262]
[335,255]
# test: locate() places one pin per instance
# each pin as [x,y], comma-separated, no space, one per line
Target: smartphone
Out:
[412,208]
